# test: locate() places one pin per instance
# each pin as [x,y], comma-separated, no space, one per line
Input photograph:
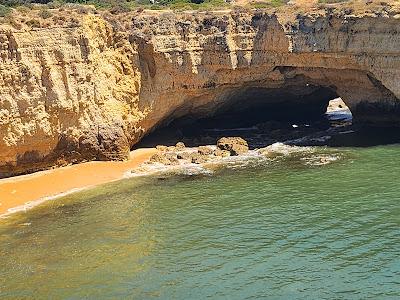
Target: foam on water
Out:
[31,204]
[277,232]
[310,156]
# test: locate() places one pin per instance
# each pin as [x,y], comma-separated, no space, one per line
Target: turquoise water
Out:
[282,229]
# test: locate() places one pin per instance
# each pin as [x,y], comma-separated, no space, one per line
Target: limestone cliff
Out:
[69,94]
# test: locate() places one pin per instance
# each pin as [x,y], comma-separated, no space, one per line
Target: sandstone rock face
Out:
[93,91]
[67,95]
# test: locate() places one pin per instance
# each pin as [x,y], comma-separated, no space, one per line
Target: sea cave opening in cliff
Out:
[261,116]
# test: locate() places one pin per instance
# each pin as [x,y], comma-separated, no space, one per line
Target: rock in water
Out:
[180,146]
[184,155]
[235,145]
[204,150]
[172,157]
[161,148]
[159,158]
[166,159]
[222,153]
[198,158]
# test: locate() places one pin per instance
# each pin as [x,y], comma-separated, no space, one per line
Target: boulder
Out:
[171,149]
[235,145]
[180,146]
[161,148]
[204,150]
[164,158]
[198,158]
[159,158]
[184,155]
[222,153]
[172,157]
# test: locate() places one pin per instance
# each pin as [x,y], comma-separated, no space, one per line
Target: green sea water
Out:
[287,228]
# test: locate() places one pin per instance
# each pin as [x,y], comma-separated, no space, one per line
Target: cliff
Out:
[93,90]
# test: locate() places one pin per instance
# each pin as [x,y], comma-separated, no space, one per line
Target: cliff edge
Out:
[92,90]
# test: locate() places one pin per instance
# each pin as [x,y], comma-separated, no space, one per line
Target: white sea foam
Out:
[154,169]
[284,149]
[29,205]
[308,155]
[320,160]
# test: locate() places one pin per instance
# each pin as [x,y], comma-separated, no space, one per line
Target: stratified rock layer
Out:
[94,90]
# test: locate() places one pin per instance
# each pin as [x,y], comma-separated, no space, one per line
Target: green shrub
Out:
[121,6]
[4,10]
[269,3]
[22,2]
[195,4]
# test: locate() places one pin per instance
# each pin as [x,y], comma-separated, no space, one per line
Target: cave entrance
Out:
[261,116]
[338,113]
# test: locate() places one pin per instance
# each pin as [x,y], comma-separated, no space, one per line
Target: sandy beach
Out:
[18,191]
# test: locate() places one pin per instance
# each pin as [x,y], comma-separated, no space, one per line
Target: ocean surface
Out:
[309,223]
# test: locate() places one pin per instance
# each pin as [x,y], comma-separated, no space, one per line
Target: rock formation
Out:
[235,145]
[70,94]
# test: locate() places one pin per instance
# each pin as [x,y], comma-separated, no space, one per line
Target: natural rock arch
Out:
[61,102]
[298,93]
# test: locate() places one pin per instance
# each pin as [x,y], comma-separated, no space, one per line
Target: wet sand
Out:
[17,192]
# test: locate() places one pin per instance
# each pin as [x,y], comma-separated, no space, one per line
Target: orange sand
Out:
[17,191]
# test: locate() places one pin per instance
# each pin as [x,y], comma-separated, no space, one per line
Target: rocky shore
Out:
[269,140]
[174,155]
[93,88]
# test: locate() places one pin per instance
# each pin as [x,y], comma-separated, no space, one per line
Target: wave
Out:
[307,156]
[31,204]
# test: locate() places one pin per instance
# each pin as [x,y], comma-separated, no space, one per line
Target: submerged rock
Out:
[235,145]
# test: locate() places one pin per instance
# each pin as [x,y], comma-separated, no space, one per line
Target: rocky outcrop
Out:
[235,145]
[226,146]
[69,94]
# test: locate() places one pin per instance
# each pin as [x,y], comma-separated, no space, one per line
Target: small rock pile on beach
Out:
[175,155]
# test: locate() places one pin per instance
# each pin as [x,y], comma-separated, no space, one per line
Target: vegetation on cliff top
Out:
[118,6]
[67,13]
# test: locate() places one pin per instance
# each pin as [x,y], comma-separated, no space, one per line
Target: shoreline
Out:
[24,192]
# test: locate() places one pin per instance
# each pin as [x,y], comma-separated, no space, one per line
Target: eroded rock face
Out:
[92,91]
[66,95]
